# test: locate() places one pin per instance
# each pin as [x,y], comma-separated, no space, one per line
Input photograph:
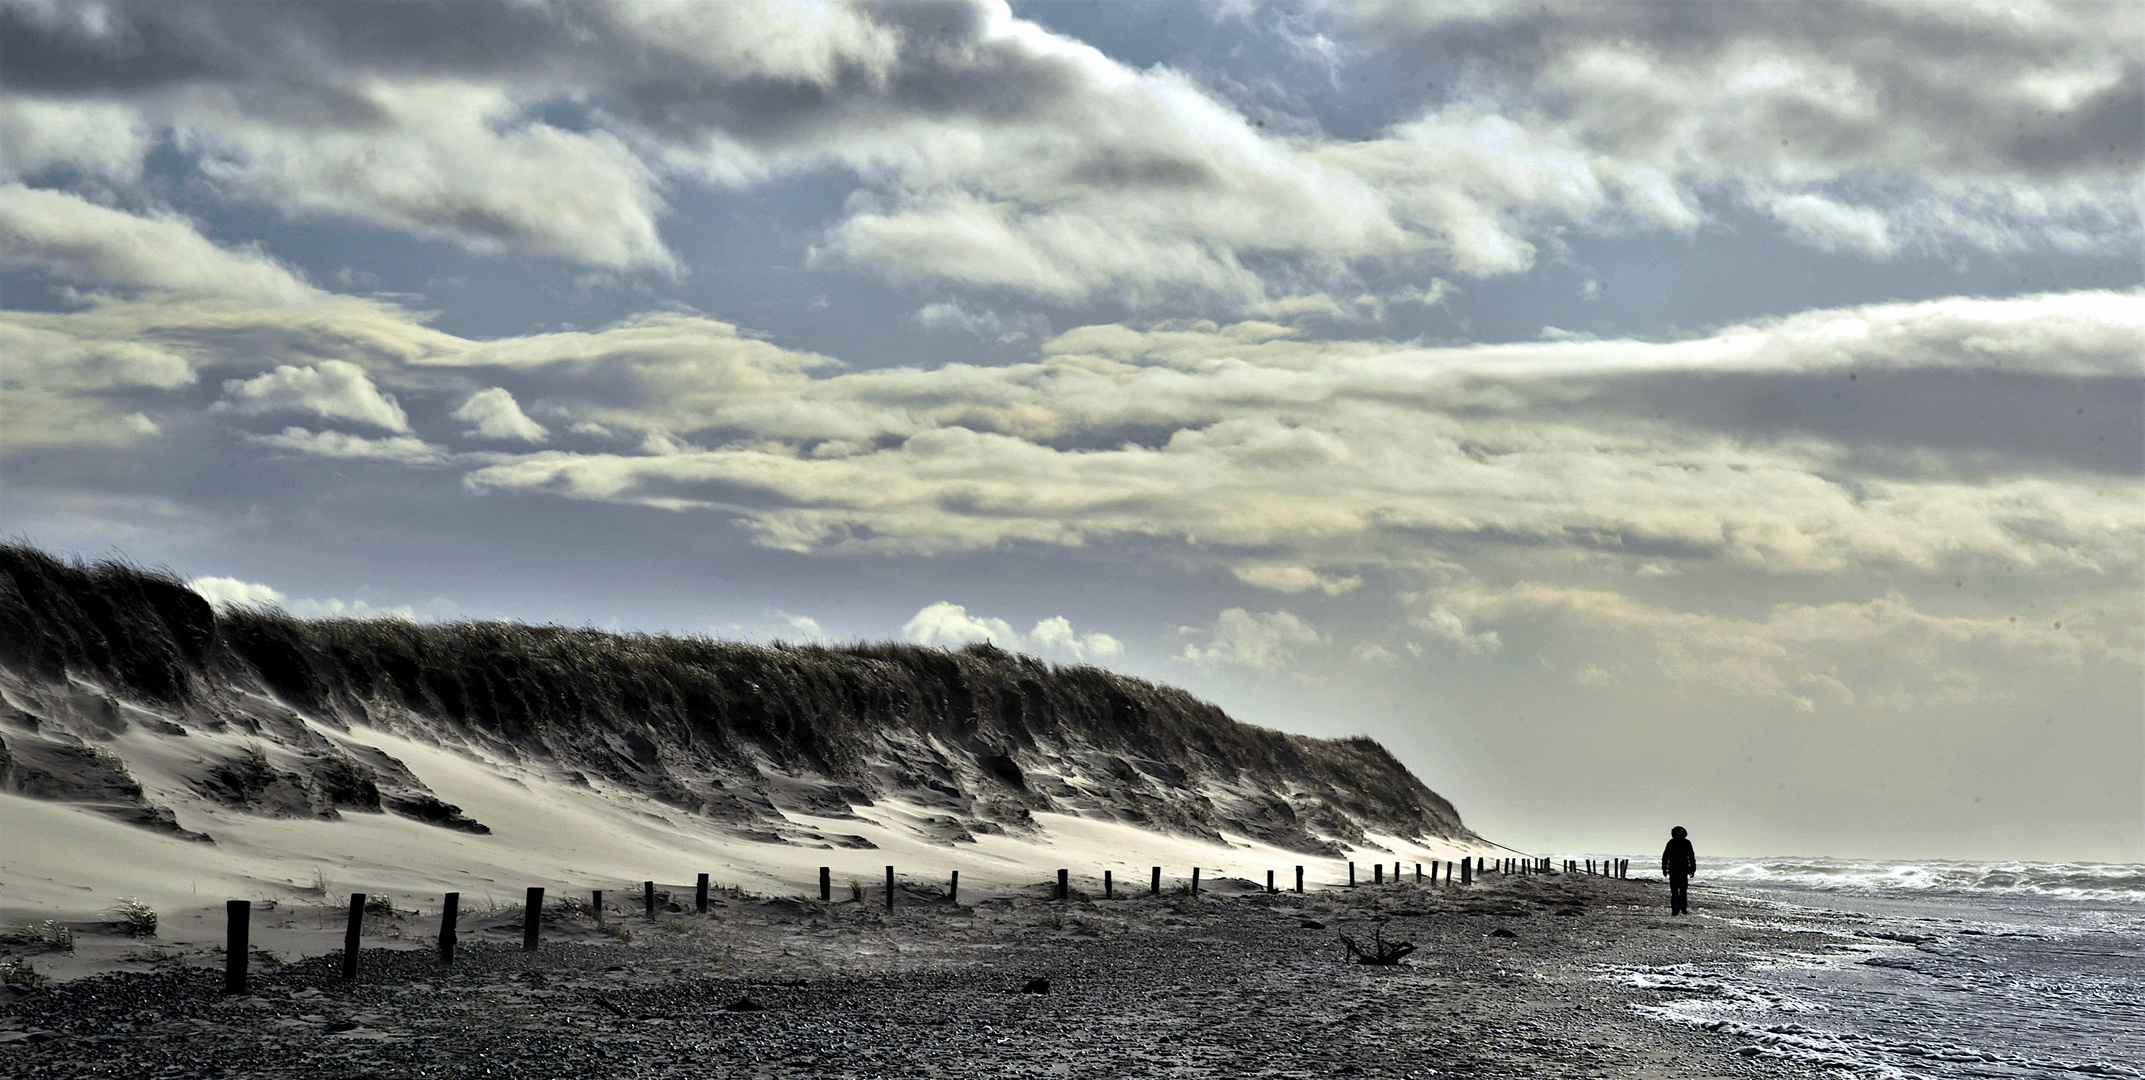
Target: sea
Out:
[1925,969]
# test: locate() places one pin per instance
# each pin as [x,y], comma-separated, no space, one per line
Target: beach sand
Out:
[1234,982]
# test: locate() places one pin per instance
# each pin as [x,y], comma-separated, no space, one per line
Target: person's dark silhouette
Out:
[1678,862]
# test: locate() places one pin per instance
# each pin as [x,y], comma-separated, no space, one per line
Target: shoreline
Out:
[1510,979]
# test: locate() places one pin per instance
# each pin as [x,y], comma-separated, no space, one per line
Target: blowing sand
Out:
[1508,980]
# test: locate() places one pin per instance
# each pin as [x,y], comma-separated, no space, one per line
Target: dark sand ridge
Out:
[1232,983]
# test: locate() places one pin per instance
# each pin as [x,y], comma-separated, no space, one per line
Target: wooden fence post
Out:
[449,910]
[826,883]
[595,900]
[700,896]
[1064,883]
[351,932]
[237,913]
[1109,886]
[953,888]
[1155,887]
[648,898]
[1299,879]
[889,888]
[1351,875]
[1195,881]
[1377,874]
[1467,870]
[531,910]
[1270,882]
[1418,872]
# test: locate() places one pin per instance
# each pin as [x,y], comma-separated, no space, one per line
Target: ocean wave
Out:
[2119,882]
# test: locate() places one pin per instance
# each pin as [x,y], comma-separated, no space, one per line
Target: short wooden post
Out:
[1299,879]
[450,909]
[1377,874]
[700,895]
[1154,888]
[889,888]
[351,932]
[531,910]
[1396,873]
[826,883]
[648,898]
[953,888]
[1270,882]
[1195,881]
[1418,873]
[1064,884]
[237,914]
[1467,870]
[1351,875]
[595,900]
[1109,885]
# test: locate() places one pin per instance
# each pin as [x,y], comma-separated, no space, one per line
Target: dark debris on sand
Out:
[1237,986]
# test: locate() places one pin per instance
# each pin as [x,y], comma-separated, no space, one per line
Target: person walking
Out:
[1678,862]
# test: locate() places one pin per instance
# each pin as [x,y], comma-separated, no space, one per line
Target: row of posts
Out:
[239,912]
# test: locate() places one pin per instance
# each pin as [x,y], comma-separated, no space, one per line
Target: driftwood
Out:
[1380,951]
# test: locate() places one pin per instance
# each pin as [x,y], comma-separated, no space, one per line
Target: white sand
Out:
[69,864]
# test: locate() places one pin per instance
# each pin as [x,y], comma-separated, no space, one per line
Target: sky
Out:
[1631,414]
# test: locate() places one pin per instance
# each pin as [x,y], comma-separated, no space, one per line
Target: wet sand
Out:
[1232,983]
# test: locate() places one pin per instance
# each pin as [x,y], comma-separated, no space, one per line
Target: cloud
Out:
[493,413]
[1293,579]
[335,389]
[987,151]
[1981,124]
[1444,624]
[1265,640]
[400,449]
[69,237]
[1056,632]
[1884,655]
[949,625]
[228,593]
[1816,443]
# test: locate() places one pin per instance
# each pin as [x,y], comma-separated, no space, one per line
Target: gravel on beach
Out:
[1506,982]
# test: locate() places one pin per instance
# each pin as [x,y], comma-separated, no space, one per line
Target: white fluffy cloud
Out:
[493,413]
[949,625]
[334,389]
[229,593]
[1266,640]
[398,449]
[69,237]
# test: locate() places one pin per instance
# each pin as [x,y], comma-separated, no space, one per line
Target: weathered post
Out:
[1377,874]
[1109,885]
[1418,873]
[1195,881]
[1467,870]
[532,909]
[450,909]
[237,913]
[826,883]
[889,888]
[1064,884]
[700,896]
[953,888]
[1299,879]
[648,897]
[1396,873]
[1351,875]
[595,901]
[1270,883]
[1155,887]
[351,931]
